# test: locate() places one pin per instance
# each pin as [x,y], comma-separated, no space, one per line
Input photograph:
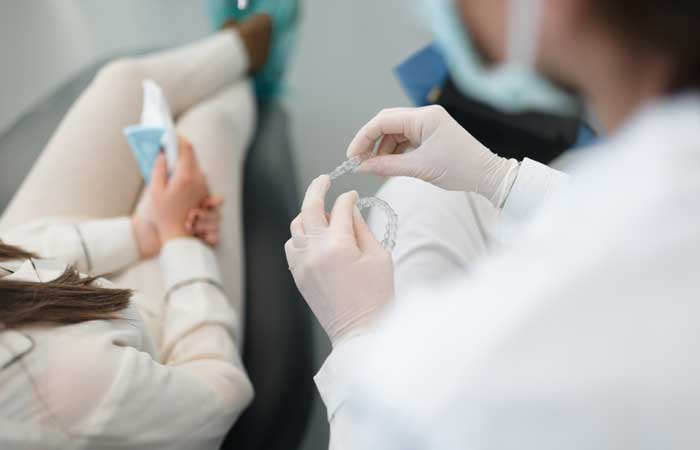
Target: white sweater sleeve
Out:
[126,395]
[95,247]
[196,302]
[188,400]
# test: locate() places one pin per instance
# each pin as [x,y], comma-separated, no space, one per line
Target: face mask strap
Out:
[523,20]
[513,85]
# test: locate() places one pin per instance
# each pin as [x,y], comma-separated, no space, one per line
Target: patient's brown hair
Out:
[68,299]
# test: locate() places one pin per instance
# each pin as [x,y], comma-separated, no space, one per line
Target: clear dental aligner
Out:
[348,166]
[392,219]
[392,224]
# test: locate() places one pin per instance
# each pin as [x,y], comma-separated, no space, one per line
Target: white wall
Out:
[42,42]
[343,76]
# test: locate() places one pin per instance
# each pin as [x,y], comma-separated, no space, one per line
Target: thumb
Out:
[159,175]
[401,165]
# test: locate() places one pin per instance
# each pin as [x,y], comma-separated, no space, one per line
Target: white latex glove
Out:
[344,274]
[427,143]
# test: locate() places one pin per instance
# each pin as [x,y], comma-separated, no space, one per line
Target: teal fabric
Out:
[285,15]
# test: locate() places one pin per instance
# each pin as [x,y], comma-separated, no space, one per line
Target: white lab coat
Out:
[581,333]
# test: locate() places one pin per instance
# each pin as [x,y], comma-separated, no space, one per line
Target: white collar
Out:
[35,270]
[13,346]
[10,267]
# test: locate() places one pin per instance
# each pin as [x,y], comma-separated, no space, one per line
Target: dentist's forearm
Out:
[335,381]
[498,180]
[532,183]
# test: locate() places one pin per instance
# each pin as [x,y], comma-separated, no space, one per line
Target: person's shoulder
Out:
[56,375]
[75,368]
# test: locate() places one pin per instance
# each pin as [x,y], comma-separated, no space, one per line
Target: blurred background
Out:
[341,75]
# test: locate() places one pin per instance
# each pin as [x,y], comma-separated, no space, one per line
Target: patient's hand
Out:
[177,207]
[172,199]
[204,222]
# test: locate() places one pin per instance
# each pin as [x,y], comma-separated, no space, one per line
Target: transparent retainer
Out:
[392,219]
[392,224]
[348,166]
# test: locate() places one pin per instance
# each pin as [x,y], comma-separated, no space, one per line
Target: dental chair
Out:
[278,349]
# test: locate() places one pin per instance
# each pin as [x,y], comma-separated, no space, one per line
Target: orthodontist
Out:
[578,329]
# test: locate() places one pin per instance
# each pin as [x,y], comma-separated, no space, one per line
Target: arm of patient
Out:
[95,247]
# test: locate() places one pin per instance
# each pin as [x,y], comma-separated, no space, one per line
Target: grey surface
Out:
[341,75]
[21,143]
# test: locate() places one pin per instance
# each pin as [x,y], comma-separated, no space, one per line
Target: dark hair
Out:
[70,298]
[667,26]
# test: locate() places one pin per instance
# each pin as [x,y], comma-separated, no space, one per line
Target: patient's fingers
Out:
[205,225]
[213,201]
[207,218]
[211,238]
[191,220]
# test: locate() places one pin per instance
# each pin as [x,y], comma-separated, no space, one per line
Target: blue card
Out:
[422,75]
[145,143]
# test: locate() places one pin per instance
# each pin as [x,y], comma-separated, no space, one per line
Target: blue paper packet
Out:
[145,143]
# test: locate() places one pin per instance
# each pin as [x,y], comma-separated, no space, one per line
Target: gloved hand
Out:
[427,143]
[344,274]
